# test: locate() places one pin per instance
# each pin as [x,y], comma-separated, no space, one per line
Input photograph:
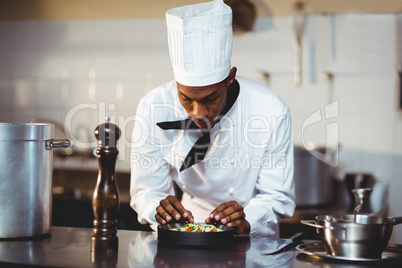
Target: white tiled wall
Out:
[48,68]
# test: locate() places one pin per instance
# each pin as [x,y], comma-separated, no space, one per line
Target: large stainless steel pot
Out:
[26,163]
[354,236]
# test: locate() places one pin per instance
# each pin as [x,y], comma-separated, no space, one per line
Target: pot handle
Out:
[312,223]
[50,144]
[397,220]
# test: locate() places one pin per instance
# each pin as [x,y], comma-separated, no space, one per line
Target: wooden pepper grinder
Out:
[105,200]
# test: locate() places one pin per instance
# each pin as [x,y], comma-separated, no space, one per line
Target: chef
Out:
[222,140]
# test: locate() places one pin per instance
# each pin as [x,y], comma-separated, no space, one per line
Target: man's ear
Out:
[231,76]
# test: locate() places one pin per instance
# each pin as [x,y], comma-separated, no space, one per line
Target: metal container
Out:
[357,181]
[26,164]
[312,178]
[354,237]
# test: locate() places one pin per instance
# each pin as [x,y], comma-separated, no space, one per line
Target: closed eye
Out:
[184,98]
[207,99]
[210,99]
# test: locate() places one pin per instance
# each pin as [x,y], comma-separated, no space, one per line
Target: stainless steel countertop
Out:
[71,247]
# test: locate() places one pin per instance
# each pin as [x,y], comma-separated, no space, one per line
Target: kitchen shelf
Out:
[112,9]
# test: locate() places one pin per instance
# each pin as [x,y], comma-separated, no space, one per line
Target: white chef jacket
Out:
[250,158]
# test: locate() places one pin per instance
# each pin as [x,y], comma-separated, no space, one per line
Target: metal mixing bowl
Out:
[365,238]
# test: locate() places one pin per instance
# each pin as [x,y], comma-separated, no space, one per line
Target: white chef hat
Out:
[200,42]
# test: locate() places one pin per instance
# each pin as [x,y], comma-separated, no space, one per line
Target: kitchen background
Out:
[76,71]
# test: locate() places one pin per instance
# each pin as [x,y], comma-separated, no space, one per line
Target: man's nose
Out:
[199,111]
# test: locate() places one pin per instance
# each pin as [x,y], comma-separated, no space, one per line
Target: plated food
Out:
[197,227]
[195,235]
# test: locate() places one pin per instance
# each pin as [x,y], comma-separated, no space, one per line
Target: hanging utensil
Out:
[299,21]
[333,37]
[400,89]
[330,79]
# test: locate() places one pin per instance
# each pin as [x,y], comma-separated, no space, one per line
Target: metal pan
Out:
[366,237]
[195,239]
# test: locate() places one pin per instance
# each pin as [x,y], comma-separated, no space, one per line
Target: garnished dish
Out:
[196,227]
[195,235]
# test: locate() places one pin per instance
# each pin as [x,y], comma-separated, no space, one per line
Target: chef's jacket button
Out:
[232,161]
[184,186]
[231,191]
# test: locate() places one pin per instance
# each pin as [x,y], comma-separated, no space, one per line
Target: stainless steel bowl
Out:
[365,238]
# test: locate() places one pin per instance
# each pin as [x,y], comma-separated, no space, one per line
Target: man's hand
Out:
[170,209]
[232,215]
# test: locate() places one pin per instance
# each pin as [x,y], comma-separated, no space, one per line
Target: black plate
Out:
[195,239]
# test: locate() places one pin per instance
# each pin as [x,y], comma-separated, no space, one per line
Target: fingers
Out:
[230,214]
[240,226]
[233,217]
[227,212]
[170,209]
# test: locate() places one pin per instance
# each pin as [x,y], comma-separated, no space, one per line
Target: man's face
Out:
[203,104]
